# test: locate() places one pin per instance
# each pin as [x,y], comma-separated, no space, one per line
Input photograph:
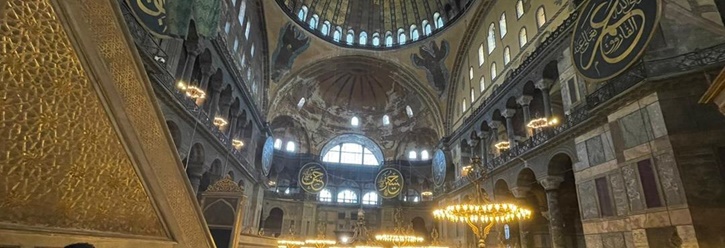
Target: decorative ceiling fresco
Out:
[338,89]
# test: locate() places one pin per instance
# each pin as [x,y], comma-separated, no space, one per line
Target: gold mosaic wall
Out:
[61,162]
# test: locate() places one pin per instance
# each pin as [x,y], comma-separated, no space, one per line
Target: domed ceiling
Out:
[338,89]
[370,22]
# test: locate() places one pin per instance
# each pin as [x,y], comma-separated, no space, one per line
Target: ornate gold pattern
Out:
[61,162]
[138,108]
[225,185]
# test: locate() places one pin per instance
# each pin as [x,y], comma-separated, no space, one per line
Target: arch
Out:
[427,29]
[325,29]
[195,161]
[371,198]
[502,25]
[540,16]
[438,20]
[559,164]
[286,128]
[347,196]
[526,178]
[506,55]
[325,195]
[220,212]
[350,37]
[337,34]
[363,38]
[519,127]
[494,72]
[357,139]
[388,39]
[520,8]
[501,191]
[419,227]
[175,133]
[414,33]
[523,37]
[314,21]
[491,38]
[273,222]
[302,13]
[376,39]
[402,38]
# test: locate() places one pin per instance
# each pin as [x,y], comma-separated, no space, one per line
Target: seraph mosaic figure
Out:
[431,58]
[292,42]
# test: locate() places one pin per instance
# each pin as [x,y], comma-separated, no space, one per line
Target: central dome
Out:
[374,24]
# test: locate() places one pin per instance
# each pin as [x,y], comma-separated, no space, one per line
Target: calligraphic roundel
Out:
[389,182]
[611,35]
[267,155]
[312,177]
[439,167]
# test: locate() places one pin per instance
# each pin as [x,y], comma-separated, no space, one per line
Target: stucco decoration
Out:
[355,138]
[292,42]
[431,58]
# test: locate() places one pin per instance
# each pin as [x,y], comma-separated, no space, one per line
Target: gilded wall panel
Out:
[62,164]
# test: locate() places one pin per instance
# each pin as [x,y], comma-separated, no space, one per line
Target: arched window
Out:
[251,51]
[502,25]
[363,38]
[388,39]
[470,73]
[481,57]
[409,111]
[246,31]
[386,120]
[520,8]
[370,198]
[376,39]
[540,16]
[414,33]
[438,19]
[506,55]
[427,30]
[325,196]
[482,83]
[301,103]
[491,37]
[337,35]
[227,27]
[278,144]
[463,106]
[412,155]
[424,155]
[346,196]
[242,12]
[313,21]
[325,28]
[302,14]
[354,121]
[473,95]
[523,37]
[350,38]
[402,38]
[506,232]
[236,45]
[290,146]
[350,153]
[494,73]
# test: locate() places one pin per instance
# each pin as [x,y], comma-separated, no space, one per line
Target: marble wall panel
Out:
[621,201]
[666,166]
[662,237]
[595,151]
[588,200]
[613,240]
[659,128]
[608,146]
[635,128]
[581,151]
[631,183]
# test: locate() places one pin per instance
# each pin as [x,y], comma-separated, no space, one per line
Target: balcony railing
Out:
[151,51]
[639,73]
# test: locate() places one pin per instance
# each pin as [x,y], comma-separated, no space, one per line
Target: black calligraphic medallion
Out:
[611,35]
[152,15]
[389,182]
[267,155]
[439,167]
[312,177]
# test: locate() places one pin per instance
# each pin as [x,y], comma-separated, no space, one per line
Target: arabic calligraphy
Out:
[312,177]
[610,35]
[389,183]
[151,14]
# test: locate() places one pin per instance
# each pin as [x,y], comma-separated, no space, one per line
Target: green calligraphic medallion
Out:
[611,35]
[312,177]
[152,15]
[389,182]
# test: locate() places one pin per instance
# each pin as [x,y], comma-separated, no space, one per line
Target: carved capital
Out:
[524,100]
[494,124]
[508,113]
[520,191]
[551,182]
[544,84]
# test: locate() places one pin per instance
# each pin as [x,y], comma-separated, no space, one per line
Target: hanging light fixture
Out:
[194,92]
[503,145]
[238,144]
[220,122]
[538,123]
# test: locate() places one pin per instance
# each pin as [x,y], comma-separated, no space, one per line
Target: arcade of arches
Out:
[194,123]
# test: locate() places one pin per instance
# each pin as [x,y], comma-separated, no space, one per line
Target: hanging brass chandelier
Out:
[480,214]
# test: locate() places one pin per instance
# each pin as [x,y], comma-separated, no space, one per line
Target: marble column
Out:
[544,85]
[484,146]
[195,173]
[509,114]
[224,113]
[193,49]
[213,107]
[233,125]
[556,221]
[520,193]
[524,101]
[205,76]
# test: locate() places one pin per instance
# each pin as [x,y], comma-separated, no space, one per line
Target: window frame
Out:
[347,196]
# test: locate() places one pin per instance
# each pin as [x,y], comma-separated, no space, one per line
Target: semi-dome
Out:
[374,24]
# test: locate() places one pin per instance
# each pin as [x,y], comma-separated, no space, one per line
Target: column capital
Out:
[524,100]
[483,134]
[544,84]
[551,182]
[520,191]
[508,113]
[472,142]
[494,124]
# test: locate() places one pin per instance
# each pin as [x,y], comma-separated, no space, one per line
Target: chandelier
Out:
[538,123]
[237,144]
[397,238]
[194,92]
[220,122]
[481,214]
[503,145]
